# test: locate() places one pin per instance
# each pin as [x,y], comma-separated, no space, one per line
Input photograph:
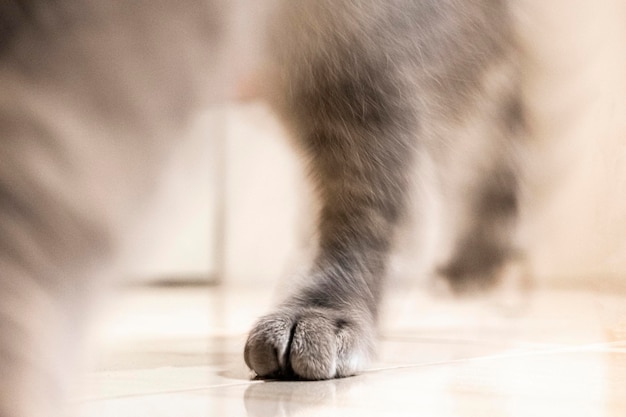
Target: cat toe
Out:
[266,348]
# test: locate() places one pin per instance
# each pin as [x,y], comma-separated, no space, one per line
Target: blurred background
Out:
[233,204]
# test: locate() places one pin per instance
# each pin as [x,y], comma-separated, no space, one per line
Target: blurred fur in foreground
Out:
[92,94]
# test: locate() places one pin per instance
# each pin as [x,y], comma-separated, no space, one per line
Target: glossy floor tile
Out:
[178,352]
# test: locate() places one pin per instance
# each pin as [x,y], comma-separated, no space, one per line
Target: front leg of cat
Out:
[353,115]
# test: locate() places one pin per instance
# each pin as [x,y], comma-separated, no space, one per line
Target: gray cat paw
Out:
[309,343]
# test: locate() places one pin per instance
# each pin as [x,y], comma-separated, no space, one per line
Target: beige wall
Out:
[576,87]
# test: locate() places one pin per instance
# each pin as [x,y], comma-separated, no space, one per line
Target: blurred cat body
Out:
[93,96]
[93,92]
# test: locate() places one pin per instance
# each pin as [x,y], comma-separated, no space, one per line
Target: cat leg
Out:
[486,245]
[362,84]
[354,117]
[486,206]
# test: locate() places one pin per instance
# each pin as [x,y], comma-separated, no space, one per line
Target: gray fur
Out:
[365,86]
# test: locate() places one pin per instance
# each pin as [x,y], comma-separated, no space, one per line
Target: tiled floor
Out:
[178,352]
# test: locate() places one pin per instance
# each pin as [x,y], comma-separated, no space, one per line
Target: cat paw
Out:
[503,275]
[309,343]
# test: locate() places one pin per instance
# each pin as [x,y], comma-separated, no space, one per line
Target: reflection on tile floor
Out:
[177,352]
